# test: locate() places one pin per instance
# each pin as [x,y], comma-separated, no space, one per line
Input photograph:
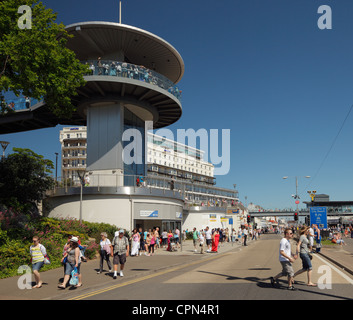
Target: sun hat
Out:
[74,239]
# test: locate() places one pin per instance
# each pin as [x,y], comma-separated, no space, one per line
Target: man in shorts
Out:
[208,234]
[286,258]
[195,238]
[119,251]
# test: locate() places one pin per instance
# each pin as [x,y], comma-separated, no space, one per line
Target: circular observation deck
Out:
[157,98]
[152,66]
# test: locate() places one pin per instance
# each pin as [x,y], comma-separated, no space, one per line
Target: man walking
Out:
[120,250]
[286,258]
[195,238]
[208,234]
[245,232]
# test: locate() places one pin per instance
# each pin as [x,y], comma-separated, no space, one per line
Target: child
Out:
[202,240]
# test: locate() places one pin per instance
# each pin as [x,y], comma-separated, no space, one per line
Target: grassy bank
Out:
[17,230]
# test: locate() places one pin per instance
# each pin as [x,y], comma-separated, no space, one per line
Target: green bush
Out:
[17,231]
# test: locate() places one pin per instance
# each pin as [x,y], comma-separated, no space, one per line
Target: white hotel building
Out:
[167,161]
[164,156]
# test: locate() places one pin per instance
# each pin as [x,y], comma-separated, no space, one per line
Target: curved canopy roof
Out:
[110,40]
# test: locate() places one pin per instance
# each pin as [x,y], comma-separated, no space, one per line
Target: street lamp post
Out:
[4,145]
[81,175]
[296,196]
[56,168]
[312,195]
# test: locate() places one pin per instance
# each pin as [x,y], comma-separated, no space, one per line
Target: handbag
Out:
[106,248]
[46,259]
[74,277]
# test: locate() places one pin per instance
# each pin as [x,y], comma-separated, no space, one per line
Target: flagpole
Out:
[120,12]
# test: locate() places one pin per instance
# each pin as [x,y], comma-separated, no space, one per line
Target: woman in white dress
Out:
[135,243]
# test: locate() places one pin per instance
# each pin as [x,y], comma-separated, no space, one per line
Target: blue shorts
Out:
[70,267]
[36,266]
[306,261]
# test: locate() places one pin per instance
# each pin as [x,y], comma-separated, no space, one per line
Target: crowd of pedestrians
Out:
[213,238]
[204,241]
[115,251]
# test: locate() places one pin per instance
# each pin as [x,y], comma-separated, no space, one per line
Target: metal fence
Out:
[192,193]
[131,71]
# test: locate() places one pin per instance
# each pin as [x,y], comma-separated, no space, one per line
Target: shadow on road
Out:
[265,283]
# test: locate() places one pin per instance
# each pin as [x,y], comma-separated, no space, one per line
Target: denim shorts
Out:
[306,261]
[36,266]
[70,267]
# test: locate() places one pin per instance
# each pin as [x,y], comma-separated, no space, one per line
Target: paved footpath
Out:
[139,267]
[342,256]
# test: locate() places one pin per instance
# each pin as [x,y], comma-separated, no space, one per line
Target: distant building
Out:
[338,212]
[73,152]
[167,161]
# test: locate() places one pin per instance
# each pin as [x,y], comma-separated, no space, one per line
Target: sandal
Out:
[61,286]
[311,285]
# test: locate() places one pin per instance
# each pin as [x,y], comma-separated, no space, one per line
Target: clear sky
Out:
[264,70]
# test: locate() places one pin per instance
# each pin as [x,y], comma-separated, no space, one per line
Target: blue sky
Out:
[262,69]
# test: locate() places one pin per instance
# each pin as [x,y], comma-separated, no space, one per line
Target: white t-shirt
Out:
[285,246]
[208,234]
[202,239]
[103,243]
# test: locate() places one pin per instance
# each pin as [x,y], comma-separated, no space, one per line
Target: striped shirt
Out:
[37,255]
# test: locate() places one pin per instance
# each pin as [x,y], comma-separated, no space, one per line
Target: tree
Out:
[24,177]
[34,61]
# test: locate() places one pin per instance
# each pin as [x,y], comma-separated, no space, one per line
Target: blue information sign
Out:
[318,216]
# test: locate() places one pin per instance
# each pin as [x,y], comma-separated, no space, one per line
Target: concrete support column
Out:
[105,126]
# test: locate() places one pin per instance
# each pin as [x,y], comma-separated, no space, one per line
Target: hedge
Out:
[17,230]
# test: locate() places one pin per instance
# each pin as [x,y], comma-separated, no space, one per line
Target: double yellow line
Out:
[100,291]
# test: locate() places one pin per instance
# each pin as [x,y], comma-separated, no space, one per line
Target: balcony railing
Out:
[192,193]
[131,71]
[16,104]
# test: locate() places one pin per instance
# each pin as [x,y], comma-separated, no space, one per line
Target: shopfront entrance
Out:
[162,224]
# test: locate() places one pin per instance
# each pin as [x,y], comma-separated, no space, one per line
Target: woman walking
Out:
[135,243]
[148,244]
[215,241]
[152,244]
[303,249]
[104,252]
[317,239]
[73,261]
[169,240]
[38,252]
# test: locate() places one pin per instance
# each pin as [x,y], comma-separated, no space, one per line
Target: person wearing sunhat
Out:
[303,249]
[73,260]
[119,252]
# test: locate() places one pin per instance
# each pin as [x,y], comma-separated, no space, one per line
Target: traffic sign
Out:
[318,216]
